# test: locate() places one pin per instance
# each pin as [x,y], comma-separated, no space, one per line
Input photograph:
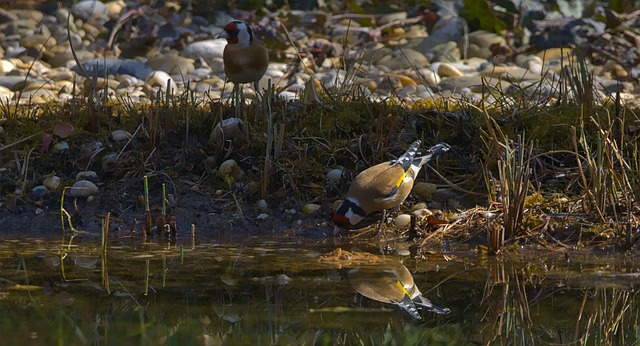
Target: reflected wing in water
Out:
[391,283]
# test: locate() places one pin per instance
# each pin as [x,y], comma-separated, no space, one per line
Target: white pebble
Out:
[403,220]
[335,175]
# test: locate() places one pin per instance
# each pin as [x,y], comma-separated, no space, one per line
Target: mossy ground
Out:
[171,145]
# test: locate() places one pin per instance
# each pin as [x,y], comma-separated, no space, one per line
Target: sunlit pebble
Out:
[422,213]
[324,224]
[418,206]
[403,252]
[219,192]
[402,220]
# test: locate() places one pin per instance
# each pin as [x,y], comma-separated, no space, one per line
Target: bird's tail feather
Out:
[427,305]
[434,151]
[407,158]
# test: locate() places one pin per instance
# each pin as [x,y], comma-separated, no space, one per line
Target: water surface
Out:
[266,290]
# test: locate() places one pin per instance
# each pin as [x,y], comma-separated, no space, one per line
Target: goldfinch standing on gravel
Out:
[383,186]
[245,57]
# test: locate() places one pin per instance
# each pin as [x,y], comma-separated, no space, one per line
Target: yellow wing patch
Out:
[401,287]
[397,184]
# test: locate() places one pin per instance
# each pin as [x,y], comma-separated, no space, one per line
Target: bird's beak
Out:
[223,34]
[337,230]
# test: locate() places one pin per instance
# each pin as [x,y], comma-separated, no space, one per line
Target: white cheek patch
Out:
[244,38]
[354,218]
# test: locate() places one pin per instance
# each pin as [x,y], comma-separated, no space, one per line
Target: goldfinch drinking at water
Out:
[383,186]
[245,57]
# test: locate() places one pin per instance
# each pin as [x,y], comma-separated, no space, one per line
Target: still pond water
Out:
[268,291]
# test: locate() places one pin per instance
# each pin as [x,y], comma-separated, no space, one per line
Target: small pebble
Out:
[310,208]
[82,188]
[402,220]
[335,175]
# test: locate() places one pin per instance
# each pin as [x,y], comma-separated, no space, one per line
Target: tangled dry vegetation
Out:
[560,172]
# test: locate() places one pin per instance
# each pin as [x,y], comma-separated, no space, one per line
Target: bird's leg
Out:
[234,99]
[256,87]
[412,233]
[382,221]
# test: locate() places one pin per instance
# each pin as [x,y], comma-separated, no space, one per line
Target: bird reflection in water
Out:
[391,282]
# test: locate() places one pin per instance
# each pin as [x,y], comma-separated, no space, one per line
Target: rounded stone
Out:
[310,208]
[230,168]
[120,136]
[335,175]
[161,79]
[424,190]
[82,189]
[87,175]
[402,220]
[52,183]
[39,192]
[262,205]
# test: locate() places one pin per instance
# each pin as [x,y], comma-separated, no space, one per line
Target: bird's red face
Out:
[340,220]
[231,32]
[237,32]
[347,215]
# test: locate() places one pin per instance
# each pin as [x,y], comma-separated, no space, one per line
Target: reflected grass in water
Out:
[277,292]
